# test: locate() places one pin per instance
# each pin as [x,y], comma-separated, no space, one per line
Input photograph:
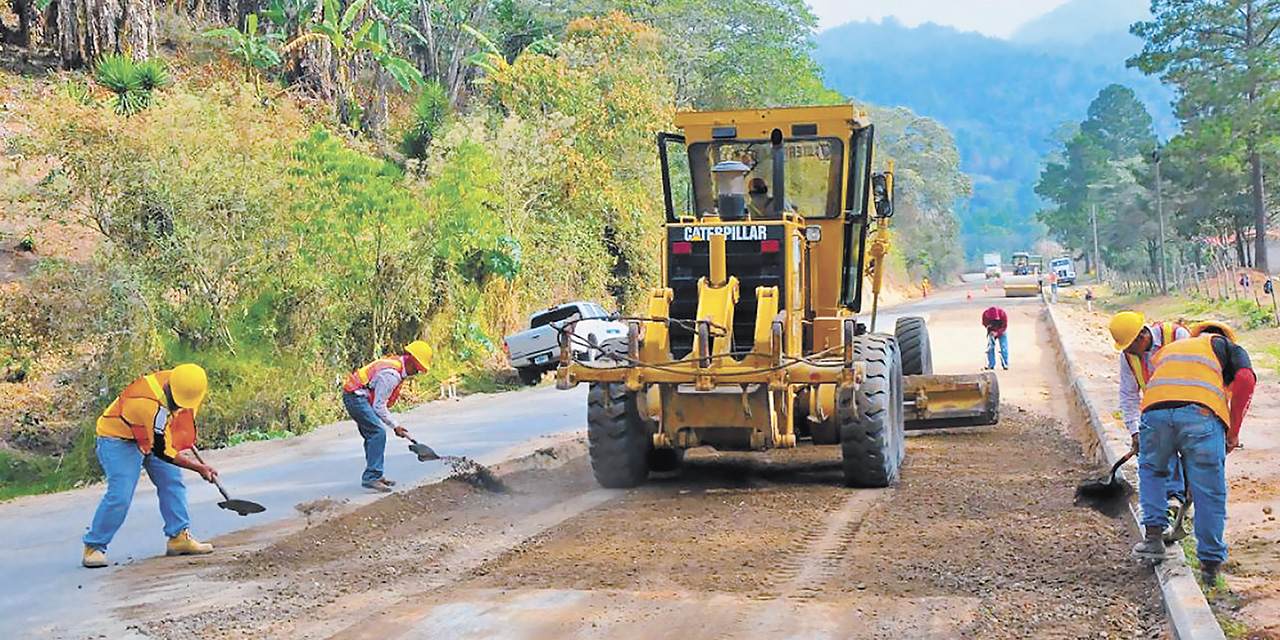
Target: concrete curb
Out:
[1188,610]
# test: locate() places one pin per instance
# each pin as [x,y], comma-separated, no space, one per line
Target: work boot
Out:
[185,545]
[379,485]
[1209,573]
[94,558]
[1152,545]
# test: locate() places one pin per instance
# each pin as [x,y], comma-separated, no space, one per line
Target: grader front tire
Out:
[872,438]
[618,441]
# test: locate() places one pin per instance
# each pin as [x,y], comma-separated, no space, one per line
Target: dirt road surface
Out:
[978,540]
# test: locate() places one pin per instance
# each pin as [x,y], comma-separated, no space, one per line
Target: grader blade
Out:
[942,401]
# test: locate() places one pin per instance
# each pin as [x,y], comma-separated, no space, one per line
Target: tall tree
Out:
[84,30]
[1222,57]
[1097,175]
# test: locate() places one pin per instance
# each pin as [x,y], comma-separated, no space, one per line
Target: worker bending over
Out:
[1137,341]
[1195,402]
[368,394]
[151,426]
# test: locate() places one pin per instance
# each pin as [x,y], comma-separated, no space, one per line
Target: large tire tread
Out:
[870,415]
[618,441]
[913,341]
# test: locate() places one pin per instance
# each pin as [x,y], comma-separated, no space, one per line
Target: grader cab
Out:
[775,225]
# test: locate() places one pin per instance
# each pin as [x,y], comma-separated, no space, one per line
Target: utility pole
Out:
[1097,258]
[1155,155]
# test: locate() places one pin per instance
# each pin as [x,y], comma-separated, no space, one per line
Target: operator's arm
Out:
[1130,397]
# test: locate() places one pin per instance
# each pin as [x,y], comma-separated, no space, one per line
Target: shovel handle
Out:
[1123,459]
[216,482]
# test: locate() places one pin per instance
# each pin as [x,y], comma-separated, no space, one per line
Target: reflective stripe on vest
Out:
[1141,367]
[360,378]
[1188,371]
[112,423]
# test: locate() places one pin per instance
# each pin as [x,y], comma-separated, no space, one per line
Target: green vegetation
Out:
[250,216]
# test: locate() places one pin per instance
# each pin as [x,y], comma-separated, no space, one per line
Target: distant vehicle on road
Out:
[991,265]
[536,350]
[1065,269]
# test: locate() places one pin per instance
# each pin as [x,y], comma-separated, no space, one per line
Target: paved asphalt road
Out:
[44,587]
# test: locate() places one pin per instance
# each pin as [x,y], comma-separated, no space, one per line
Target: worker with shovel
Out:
[1137,341]
[367,395]
[1195,402]
[150,426]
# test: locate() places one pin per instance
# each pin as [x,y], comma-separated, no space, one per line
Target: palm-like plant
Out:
[132,83]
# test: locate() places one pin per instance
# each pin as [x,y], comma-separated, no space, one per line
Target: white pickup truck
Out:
[536,350]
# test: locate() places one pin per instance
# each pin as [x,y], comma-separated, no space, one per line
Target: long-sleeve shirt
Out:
[1130,391]
[995,320]
[380,386]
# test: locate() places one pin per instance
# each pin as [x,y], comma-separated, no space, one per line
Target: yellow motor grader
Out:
[774,222]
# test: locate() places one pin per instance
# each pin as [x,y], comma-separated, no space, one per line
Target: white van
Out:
[1065,269]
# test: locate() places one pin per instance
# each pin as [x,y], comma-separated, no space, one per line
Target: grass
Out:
[22,474]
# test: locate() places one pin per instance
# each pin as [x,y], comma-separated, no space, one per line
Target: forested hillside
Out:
[1005,101]
[278,191]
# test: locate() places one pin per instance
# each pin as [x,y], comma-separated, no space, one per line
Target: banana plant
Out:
[252,49]
[348,36]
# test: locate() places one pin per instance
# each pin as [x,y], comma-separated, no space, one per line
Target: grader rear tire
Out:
[913,341]
[872,438]
[618,441]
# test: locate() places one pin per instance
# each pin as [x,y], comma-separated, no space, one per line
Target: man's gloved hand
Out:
[1134,446]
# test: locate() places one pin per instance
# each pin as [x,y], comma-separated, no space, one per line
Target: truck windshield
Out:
[555,315]
[813,169]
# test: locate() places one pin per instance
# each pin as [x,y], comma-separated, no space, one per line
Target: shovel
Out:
[1108,495]
[1178,530]
[242,507]
[423,452]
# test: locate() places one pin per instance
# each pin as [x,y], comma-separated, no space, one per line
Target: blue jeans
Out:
[1199,437]
[1004,350]
[121,460]
[375,437]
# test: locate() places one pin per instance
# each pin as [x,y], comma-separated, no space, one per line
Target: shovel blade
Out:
[423,452]
[242,507]
[1109,496]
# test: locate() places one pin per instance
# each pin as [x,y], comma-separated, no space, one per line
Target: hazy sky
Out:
[990,17]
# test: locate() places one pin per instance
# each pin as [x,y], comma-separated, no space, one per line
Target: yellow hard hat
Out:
[187,385]
[1125,327]
[1209,326]
[421,352]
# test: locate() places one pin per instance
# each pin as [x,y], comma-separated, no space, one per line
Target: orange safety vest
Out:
[1188,371]
[1142,369]
[131,416]
[360,378]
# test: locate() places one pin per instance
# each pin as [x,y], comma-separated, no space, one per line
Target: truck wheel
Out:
[665,460]
[618,441]
[530,375]
[872,438]
[913,341]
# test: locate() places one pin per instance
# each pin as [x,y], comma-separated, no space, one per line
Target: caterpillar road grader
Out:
[775,224]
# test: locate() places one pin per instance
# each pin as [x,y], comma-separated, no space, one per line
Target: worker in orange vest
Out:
[1137,340]
[150,426]
[1194,405]
[368,394]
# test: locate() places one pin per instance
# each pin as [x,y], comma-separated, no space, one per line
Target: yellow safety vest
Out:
[131,416]
[1188,371]
[1142,370]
